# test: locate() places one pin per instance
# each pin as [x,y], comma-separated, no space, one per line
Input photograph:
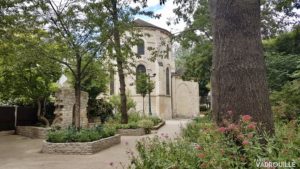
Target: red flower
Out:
[251,126]
[222,129]
[245,142]
[246,118]
[201,155]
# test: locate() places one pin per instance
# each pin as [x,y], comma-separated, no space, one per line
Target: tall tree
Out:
[117,19]
[238,69]
[75,38]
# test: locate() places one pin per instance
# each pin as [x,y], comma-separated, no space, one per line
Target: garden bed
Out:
[158,126]
[132,132]
[32,131]
[81,148]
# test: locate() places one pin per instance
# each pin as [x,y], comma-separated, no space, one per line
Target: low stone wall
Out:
[132,132]
[32,131]
[159,125]
[80,148]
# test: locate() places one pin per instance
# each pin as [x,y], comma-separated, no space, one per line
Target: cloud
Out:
[167,14]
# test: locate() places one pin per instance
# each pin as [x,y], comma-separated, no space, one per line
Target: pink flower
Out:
[201,155]
[251,126]
[245,142]
[222,129]
[246,118]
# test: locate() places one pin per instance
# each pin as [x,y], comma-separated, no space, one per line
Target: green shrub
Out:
[82,135]
[115,100]
[155,120]
[146,124]
[204,145]
[134,117]
[131,125]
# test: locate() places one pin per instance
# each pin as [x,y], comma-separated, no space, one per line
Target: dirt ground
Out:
[17,152]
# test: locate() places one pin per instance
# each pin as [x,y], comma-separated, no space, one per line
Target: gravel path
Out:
[17,152]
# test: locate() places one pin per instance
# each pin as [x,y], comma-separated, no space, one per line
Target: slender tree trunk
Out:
[120,63]
[40,115]
[238,71]
[77,92]
[143,105]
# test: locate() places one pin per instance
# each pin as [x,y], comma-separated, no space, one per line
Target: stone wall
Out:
[132,132]
[80,148]
[65,101]
[185,98]
[32,131]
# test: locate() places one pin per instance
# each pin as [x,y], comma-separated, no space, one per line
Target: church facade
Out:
[171,97]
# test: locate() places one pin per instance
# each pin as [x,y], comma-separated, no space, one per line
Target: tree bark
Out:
[40,115]
[120,63]
[77,92]
[238,69]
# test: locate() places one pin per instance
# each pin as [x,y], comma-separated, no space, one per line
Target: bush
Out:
[116,102]
[83,135]
[155,120]
[204,145]
[131,125]
[146,124]
[100,108]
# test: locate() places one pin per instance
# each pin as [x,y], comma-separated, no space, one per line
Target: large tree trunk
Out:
[120,63]
[238,71]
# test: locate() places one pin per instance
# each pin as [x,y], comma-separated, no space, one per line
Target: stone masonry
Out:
[65,101]
[80,148]
[32,131]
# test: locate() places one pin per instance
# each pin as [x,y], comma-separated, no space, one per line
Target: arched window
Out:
[167,81]
[140,69]
[141,47]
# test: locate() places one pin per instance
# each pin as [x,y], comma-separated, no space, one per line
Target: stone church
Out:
[172,97]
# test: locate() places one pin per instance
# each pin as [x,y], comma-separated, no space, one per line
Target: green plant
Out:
[71,134]
[204,145]
[146,124]
[154,119]
[115,100]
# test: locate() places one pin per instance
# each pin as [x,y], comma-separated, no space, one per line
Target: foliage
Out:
[115,100]
[155,120]
[143,86]
[100,108]
[147,124]
[71,134]
[280,69]
[205,145]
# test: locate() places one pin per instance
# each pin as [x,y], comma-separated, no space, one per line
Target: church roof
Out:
[142,23]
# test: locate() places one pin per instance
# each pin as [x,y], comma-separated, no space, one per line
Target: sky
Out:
[167,14]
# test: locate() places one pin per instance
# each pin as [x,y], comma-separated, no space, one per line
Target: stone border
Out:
[84,148]
[159,125]
[132,132]
[32,131]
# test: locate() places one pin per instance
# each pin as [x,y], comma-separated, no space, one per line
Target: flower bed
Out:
[32,131]
[82,148]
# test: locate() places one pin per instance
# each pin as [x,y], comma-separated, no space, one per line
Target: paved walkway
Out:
[17,152]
